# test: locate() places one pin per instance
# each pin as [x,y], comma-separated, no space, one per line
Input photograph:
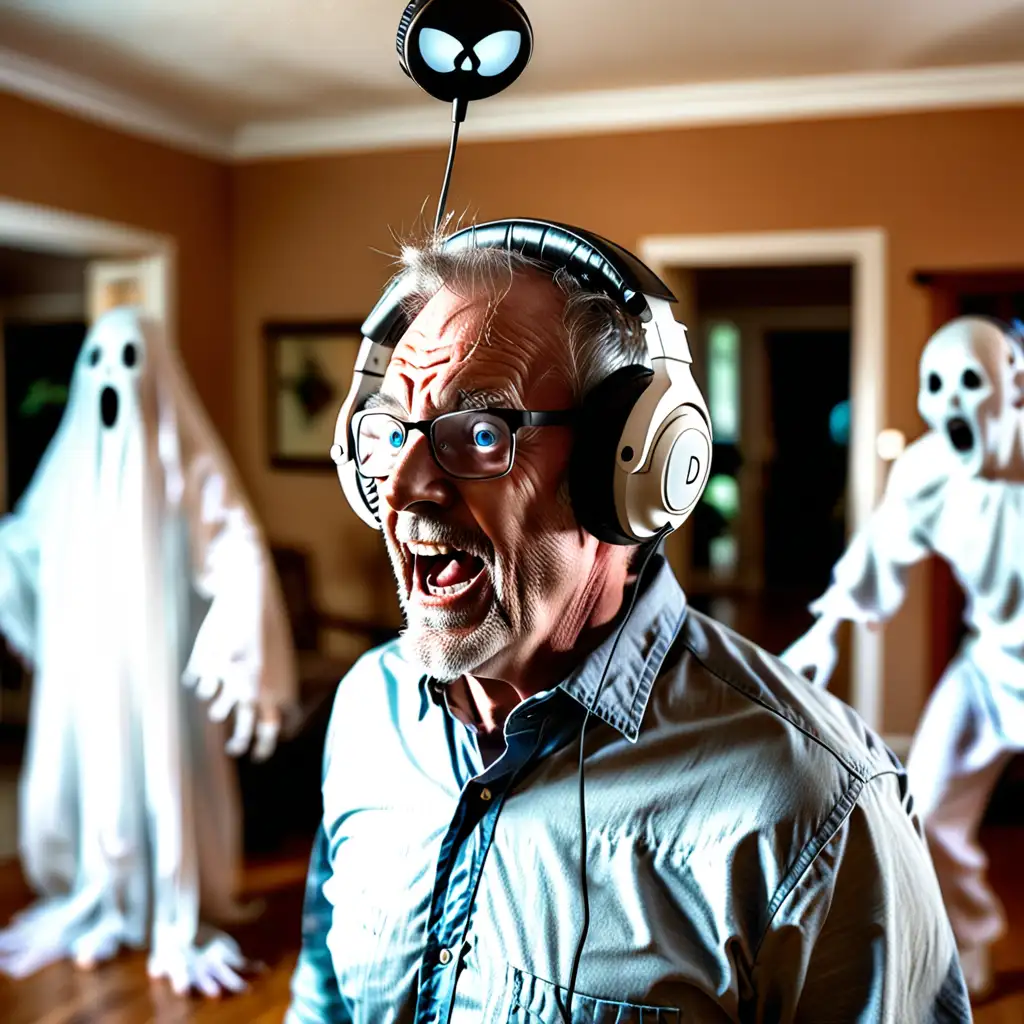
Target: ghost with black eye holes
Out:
[134,580]
[957,493]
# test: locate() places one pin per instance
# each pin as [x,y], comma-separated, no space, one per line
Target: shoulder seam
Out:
[856,768]
[821,838]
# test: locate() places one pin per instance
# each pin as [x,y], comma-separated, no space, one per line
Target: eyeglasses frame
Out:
[514,419]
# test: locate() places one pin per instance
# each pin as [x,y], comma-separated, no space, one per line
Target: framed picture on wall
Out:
[309,369]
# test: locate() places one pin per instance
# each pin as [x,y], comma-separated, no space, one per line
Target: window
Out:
[724,381]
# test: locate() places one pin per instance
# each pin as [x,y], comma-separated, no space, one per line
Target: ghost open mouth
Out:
[961,437]
[108,406]
[444,575]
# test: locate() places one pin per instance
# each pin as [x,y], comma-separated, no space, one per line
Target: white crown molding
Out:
[92,101]
[579,113]
[674,106]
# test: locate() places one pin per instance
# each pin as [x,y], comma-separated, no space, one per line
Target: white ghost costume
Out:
[957,492]
[133,562]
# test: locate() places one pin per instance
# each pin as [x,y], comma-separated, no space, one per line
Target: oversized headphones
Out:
[642,449]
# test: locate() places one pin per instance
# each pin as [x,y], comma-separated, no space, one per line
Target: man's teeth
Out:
[418,547]
[451,591]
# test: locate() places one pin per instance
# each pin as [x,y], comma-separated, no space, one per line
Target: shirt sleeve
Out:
[315,995]
[860,935]
[869,581]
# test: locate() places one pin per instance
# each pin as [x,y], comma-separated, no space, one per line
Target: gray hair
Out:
[600,336]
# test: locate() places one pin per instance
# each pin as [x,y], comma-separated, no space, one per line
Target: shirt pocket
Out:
[533,1001]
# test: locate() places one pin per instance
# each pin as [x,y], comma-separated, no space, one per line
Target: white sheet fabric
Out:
[132,560]
[957,492]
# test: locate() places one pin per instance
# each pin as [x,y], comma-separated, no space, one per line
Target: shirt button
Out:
[445,956]
[485,794]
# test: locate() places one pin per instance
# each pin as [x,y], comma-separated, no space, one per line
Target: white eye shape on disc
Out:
[497,51]
[439,50]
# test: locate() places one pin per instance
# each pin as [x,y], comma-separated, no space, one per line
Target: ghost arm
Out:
[19,584]
[242,659]
[869,581]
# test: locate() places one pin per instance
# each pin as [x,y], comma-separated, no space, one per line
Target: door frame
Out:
[45,229]
[864,249]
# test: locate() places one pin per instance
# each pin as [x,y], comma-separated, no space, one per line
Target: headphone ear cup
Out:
[592,465]
[368,489]
[403,30]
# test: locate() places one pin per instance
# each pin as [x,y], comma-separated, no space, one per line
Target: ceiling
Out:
[223,64]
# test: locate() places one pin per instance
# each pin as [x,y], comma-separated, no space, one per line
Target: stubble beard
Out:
[440,641]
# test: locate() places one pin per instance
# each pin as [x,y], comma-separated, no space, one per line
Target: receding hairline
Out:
[596,334]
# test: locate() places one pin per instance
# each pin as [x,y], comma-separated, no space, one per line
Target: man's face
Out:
[965,378]
[488,571]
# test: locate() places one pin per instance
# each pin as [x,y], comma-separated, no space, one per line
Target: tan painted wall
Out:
[294,239]
[946,187]
[59,161]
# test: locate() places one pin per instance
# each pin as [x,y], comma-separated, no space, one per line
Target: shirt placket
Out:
[461,859]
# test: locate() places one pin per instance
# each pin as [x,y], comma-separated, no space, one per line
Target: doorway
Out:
[805,491]
[860,258]
[771,349]
[42,326]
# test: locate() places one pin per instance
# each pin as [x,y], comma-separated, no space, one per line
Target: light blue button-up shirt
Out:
[753,855]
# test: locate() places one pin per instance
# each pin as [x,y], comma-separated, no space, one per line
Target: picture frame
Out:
[309,368]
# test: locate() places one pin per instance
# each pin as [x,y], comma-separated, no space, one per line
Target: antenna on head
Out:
[463,50]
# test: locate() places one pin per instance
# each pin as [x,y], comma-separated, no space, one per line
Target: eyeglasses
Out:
[476,444]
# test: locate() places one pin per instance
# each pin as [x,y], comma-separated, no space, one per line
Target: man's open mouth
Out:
[442,574]
[961,437]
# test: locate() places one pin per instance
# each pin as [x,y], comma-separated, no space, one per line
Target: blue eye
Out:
[396,437]
[484,437]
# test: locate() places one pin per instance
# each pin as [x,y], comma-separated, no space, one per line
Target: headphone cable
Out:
[458,116]
[655,543]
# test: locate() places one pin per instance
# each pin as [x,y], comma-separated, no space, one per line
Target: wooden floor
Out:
[120,992]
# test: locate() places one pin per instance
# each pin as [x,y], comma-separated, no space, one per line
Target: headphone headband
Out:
[594,261]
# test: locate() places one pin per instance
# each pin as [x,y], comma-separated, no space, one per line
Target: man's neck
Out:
[485,698]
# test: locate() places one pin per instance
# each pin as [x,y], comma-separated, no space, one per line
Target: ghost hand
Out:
[225,669]
[815,654]
[211,967]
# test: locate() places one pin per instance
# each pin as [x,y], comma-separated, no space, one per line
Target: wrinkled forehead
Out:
[467,346]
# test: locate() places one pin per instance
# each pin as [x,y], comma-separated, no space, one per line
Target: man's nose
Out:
[416,478]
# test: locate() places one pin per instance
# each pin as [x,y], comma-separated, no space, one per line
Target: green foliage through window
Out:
[40,395]
[724,382]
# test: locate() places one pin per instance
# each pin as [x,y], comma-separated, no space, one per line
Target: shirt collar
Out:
[646,638]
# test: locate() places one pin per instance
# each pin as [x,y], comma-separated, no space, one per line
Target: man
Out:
[751,855]
[957,492]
